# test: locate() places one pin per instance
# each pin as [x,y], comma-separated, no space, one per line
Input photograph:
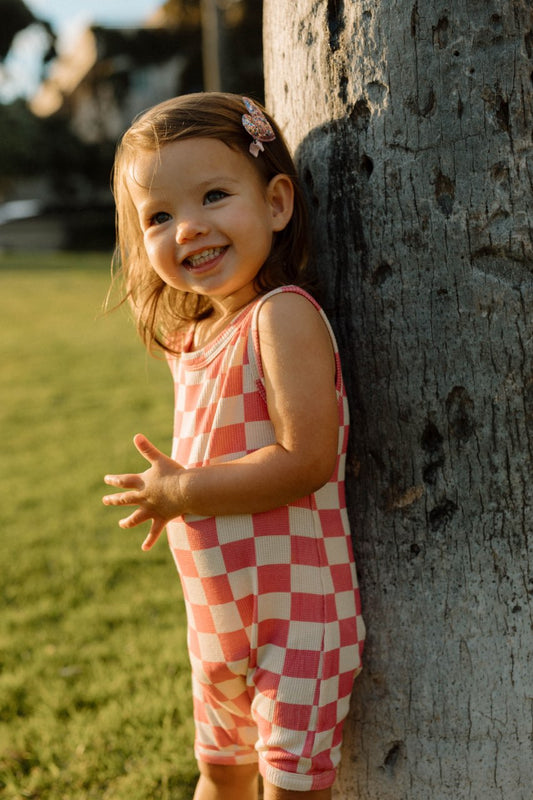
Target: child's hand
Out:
[156,491]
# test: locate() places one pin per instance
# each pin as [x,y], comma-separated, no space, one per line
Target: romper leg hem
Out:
[225,758]
[293,781]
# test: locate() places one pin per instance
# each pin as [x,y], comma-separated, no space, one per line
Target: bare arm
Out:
[299,370]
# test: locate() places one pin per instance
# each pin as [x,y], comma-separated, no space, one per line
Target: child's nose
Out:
[189,228]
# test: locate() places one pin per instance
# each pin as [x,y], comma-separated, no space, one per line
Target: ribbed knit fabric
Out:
[275,628]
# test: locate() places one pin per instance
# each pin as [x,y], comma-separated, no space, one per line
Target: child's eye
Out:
[214,195]
[159,218]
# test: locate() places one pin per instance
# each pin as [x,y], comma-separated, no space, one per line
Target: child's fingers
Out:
[127,481]
[153,536]
[136,518]
[122,499]
[148,450]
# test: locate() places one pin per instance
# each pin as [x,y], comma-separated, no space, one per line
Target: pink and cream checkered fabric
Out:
[275,627]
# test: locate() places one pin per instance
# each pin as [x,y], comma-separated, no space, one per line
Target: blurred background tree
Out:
[182,13]
[16,16]
[57,147]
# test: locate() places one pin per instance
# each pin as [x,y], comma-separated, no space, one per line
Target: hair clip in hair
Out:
[256,124]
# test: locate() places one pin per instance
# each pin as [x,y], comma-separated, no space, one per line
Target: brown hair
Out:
[160,310]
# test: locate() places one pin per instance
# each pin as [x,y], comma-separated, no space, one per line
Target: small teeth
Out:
[205,255]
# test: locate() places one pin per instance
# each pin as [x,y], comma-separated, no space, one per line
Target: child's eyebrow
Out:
[217,178]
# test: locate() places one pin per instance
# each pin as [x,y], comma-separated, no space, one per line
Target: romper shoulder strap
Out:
[254,347]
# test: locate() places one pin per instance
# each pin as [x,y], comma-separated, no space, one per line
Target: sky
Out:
[62,13]
[20,74]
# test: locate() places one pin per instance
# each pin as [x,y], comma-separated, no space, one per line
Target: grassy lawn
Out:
[94,682]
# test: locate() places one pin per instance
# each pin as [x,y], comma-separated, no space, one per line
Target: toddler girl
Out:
[212,238]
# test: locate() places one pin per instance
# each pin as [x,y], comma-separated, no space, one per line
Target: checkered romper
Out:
[275,629]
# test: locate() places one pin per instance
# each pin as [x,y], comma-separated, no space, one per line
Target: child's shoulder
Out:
[290,311]
[287,300]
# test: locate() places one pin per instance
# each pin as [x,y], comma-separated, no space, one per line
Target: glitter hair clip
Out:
[256,124]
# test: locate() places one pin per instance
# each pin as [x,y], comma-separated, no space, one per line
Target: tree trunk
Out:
[412,124]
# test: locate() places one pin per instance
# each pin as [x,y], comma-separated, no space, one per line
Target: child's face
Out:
[207,218]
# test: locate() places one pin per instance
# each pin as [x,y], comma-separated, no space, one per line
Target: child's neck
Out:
[206,330]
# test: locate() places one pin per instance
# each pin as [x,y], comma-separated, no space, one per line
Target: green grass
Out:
[94,682]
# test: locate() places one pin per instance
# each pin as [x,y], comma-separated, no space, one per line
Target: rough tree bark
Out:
[412,123]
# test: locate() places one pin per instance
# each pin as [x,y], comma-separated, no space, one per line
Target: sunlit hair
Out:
[160,310]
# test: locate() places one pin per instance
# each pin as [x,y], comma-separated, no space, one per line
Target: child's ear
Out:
[280,194]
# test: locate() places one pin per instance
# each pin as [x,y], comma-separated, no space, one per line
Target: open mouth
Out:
[205,257]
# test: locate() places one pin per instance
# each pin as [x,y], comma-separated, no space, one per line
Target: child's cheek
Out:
[152,245]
